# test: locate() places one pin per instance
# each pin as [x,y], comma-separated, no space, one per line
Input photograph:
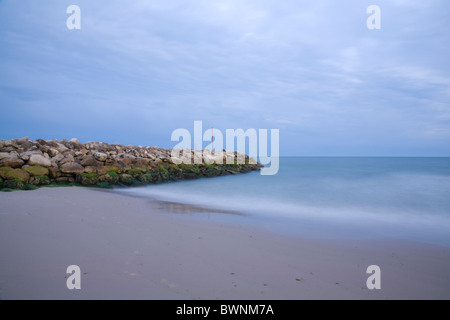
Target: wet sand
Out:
[131,248]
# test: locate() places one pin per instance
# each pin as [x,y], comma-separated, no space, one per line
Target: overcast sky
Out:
[137,70]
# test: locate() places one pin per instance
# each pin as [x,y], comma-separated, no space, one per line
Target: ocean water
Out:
[327,198]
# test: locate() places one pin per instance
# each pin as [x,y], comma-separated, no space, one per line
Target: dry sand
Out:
[127,249]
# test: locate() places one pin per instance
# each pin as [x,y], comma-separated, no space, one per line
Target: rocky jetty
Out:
[27,164]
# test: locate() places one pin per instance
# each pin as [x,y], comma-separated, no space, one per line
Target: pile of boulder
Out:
[27,164]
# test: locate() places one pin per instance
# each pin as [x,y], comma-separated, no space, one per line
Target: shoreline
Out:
[128,249]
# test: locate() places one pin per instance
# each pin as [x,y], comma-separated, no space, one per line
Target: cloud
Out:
[149,67]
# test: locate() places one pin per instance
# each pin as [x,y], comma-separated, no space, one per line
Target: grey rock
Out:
[29,153]
[100,156]
[61,148]
[89,160]
[58,157]
[39,160]
[54,163]
[13,162]
[4,155]
[52,152]
[67,159]
[72,167]
[22,140]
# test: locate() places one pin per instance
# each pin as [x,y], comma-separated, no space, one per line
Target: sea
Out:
[324,198]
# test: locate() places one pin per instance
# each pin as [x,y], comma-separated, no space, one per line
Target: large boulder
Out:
[65,179]
[90,169]
[54,172]
[42,142]
[68,158]
[11,161]
[72,167]
[100,156]
[101,170]
[13,184]
[146,178]
[39,180]
[75,145]
[36,170]
[127,179]
[92,145]
[142,163]
[113,168]
[89,160]
[54,163]
[4,171]
[18,174]
[126,163]
[7,149]
[52,152]
[58,157]
[4,155]
[21,140]
[25,156]
[110,177]
[88,179]
[39,160]
[58,146]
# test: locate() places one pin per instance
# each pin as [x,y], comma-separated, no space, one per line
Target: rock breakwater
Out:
[26,164]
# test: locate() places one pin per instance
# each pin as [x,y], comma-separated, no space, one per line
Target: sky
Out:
[138,70]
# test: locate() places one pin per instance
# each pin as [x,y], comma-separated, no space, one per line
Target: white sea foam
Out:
[388,196]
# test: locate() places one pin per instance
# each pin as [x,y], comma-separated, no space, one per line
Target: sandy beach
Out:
[128,249]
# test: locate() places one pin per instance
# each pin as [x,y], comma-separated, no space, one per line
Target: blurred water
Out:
[406,198]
